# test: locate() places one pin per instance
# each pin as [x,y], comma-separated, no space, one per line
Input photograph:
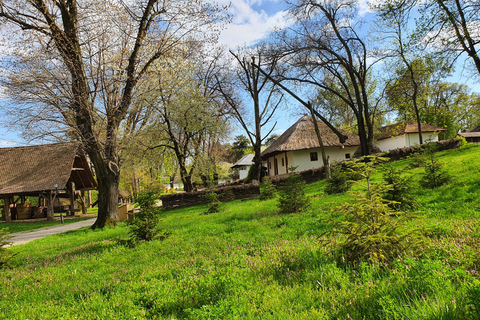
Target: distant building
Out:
[471,135]
[405,134]
[241,167]
[298,147]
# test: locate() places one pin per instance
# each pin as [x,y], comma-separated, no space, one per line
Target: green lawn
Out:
[251,262]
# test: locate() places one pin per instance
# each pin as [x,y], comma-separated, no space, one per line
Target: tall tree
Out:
[325,47]
[86,60]
[261,93]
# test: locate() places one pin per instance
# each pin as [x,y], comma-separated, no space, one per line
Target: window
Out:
[283,162]
[347,155]
[313,156]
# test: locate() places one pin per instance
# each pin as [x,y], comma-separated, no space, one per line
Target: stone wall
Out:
[228,193]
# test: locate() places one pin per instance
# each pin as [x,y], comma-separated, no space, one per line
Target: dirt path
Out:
[27,236]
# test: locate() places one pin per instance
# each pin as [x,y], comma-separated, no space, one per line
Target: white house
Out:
[405,134]
[299,147]
[241,167]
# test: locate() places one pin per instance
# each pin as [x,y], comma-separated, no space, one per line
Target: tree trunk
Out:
[187,183]
[108,182]
[326,165]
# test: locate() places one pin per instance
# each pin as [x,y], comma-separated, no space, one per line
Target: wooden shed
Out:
[49,172]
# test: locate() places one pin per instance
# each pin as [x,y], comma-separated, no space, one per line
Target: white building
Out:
[405,134]
[241,167]
[299,147]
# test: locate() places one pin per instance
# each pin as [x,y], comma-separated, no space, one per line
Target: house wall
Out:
[301,159]
[406,140]
[392,143]
[243,172]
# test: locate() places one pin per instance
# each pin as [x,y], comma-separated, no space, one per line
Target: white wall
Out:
[301,159]
[392,143]
[243,172]
[406,140]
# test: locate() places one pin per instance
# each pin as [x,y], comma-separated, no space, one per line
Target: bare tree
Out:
[260,92]
[325,47]
[95,55]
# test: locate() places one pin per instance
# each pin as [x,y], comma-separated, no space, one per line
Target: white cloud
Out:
[249,25]
[6,143]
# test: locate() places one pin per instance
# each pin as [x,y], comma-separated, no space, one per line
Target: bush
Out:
[267,190]
[399,191]
[292,194]
[435,175]
[371,231]
[339,181]
[5,254]
[145,225]
[214,204]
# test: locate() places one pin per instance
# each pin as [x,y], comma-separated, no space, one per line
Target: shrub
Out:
[5,254]
[267,190]
[399,191]
[214,204]
[339,181]
[435,175]
[145,225]
[292,194]
[371,231]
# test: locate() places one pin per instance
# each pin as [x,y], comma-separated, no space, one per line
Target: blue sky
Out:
[252,21]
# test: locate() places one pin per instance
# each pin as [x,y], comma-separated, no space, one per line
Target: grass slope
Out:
[250,262]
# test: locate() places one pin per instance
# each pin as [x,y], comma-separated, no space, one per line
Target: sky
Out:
[252,20]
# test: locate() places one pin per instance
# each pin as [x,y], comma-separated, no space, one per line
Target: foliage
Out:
[144,226]
[339,181]
[435,175]
[251,263]
[371,230]
[5,254]
[267,190]
[292,197]
[399,189]
[214,203]
[418,160]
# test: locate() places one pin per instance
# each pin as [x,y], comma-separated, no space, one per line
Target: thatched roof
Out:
[34,169]
[404,128]
[246,160]
[302,136]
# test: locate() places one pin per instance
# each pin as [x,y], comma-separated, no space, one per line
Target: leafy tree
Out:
[79,65]
[240,147]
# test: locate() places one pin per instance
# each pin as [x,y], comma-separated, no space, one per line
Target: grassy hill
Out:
[251,262]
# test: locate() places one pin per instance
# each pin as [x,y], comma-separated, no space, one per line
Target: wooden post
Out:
[84,206]
[73,203]
[90,199]
[6,210]
[50,213]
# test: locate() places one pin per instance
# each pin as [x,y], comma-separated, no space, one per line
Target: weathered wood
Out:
[84,205]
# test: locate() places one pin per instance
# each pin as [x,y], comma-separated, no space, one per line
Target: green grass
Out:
[250,262]
[26,226]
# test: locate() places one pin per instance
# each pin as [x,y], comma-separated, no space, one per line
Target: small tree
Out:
[339,181]
[435,175]
[267,190]
[214,204]
[145,225]
[372,230]
[399,189]
[292,194]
